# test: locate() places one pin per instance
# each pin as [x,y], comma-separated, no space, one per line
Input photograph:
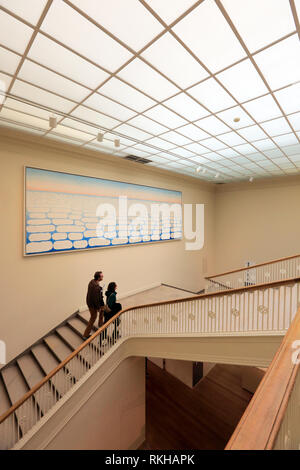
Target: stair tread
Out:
[49,362]
[15,383]
[78,325]
[4,399]
[62,351]
[45,396]
[17,388]
[30,370]
[70,336]
[46,359]
[4,406]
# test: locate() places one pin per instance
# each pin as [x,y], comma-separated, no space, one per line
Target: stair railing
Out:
[274,270]
[261,309]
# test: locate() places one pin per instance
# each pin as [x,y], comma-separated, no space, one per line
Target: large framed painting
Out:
[66,212]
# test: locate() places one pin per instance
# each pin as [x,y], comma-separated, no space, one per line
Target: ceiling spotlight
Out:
[198,169]
[117,142]
[100,137]
[217,175]
[251,179]
[237,119]
[52,121]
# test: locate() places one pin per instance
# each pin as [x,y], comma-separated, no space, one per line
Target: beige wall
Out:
[39,292]
[113,417]
[258,221]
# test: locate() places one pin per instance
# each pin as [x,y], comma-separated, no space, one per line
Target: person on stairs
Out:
[95,302]
[112,308]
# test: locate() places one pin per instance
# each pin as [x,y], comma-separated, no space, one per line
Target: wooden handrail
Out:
[33,390]
[259,425]
[252,267]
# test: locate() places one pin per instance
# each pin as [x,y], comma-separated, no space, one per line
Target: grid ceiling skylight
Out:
[183,83]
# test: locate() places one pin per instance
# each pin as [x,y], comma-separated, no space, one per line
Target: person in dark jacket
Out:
[95,302]
[114,307]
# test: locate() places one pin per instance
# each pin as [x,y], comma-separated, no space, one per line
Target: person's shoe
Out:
[86,337]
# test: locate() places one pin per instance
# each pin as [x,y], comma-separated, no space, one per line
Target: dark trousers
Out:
[107,316]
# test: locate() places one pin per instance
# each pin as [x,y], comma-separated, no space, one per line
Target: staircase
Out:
[28,369]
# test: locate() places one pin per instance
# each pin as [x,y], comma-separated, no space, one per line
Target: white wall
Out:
[39,292]
[258,221]
[113,417]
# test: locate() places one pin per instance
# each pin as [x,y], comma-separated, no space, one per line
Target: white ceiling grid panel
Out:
[155,75]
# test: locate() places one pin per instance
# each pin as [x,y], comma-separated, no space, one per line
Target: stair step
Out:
[62,351]
[45,397]
[10,427]
[17,388]
[48,362]
[74,341]
[79,325]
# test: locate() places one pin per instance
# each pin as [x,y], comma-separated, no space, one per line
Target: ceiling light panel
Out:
[243,81]
[196,148]
[175,138]
[260,22]
[5,81]
[198,31]
[280,63]
[292,150]
[287,139]
[160,143]
[107,106]
[143,77]
[180,67]
[210,94]
[192,132]
[24,118]
[125,94]
[263,108]
[164,116]
[231,138]
[8,61]
[147,125]
[43,78]
[252,133]
[295,121]
[186,107]
[94,117]
[61,60]
[170,10]
[131,131]
[36,95]
[228,153]
[81,126]
[20,8]
[74,133]
[264,144]
[213,144]
[69,27]
[245,149]
[26,108]
[182,152]
[124,141]
[13,33]
[276,127]
[212,125]
[288,98]
[129,21]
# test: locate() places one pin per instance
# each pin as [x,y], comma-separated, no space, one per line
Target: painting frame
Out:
[79,250]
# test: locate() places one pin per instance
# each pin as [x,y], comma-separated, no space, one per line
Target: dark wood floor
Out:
[178,417]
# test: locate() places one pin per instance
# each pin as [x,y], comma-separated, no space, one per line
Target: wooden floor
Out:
[178,417]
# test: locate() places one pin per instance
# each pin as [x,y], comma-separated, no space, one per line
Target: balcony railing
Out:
[270,271]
